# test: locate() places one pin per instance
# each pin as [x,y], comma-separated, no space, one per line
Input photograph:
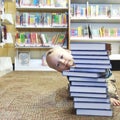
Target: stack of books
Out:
[87,78]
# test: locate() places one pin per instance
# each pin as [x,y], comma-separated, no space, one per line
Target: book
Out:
[87,52]
[90,46]
[86,94]
[81,65]
[92,105]
[82,74]
[86,83]
[87,69]
[90,99]
[91,61]
[89,89]
[92,57]
[91,79]
[95,112]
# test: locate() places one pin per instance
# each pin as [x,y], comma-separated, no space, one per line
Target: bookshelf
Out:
[39,27]
[96,21]
[5,19]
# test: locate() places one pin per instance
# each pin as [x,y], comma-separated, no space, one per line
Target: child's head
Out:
[59,59]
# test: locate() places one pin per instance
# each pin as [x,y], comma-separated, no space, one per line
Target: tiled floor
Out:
[41,96]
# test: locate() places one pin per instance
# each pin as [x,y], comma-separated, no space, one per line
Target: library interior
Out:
[59,60]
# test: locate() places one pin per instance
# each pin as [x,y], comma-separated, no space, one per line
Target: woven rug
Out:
[40,96]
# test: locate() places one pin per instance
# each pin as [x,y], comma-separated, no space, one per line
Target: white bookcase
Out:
[36,51]
[96,14]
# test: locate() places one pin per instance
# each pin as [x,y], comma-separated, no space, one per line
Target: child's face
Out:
[60,59]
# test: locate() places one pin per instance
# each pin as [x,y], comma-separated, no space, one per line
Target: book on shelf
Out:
[94,112]
[89,89]
[92,105]
[87,94]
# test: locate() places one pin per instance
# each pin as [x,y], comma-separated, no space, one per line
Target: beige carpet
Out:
[40,96]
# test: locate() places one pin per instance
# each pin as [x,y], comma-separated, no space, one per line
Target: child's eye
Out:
[61,56]
[58,65]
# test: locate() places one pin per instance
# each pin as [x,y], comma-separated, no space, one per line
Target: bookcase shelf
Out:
[102,19]
[34,65]
[40,20]
[96,21]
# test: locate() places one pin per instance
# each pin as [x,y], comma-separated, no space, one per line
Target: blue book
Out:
[91,61]
[89,89]
[92,105]
[101,66]
[87,94]
[89,79]
[89,46]
[88,52]
[90,99]
[87,69]
[86,83]
[92,57]
[94,112]
[82,74]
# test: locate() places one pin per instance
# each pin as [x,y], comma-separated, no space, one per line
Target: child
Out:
[61,59]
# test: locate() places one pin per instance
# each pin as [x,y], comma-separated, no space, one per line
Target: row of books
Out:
[90,10]
[87,82]
[41,19]
[33,39]
[87,31]
[42,3]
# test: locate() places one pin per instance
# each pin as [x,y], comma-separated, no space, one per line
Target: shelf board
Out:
[95,39]
[41,27]
[96,19]
[114,57]
[46,8]
[34,65]
[96,1]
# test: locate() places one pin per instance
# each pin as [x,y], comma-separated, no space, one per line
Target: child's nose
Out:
[62,61]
